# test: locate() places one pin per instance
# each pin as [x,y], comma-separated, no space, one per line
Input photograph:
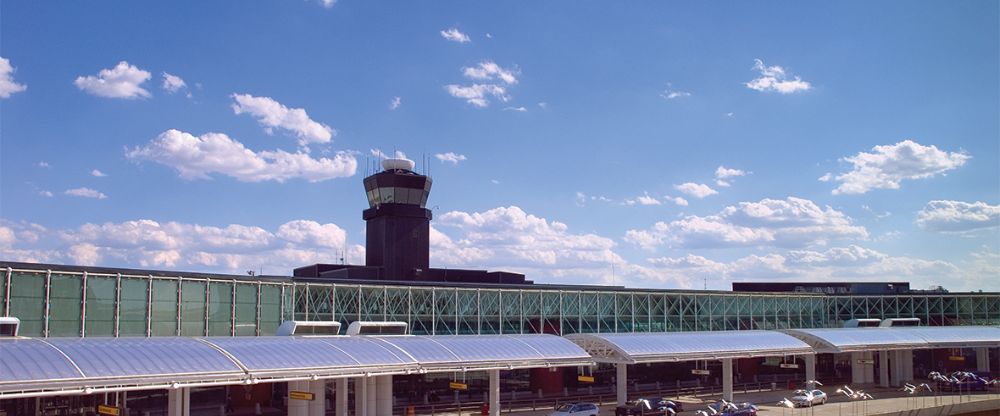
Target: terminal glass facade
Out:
[54,303]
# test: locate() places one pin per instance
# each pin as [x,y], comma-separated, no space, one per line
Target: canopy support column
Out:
[907,365]
[179,402]
[810,371]
[360,396]
[341,396]
[982,359]
[297,407]
[883,368]
[371,396]
[727,379]
[896,379]
[494,392]
[621,383]
[857,376]
[383,396]
[317,407]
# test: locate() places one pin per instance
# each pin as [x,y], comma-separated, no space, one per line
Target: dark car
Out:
[734,409]
[649,407]
[963,381]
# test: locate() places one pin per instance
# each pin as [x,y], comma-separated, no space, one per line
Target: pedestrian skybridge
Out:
[62,366]
[634,348]
[839,340]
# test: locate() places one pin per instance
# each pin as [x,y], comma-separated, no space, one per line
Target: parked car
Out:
[725,408]
[575,409]
[807,398]
[649,407]
[963,381]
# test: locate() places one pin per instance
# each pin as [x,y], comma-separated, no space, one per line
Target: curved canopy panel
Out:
[489,351]
[276,356]
[144,357]
[27,360]
[834,340]
[634,348]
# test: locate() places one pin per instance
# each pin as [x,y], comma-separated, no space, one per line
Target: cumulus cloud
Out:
[450,157]
[958,216]
[272,114]
[478,94]
[888,165]
[644,199]
[7,84]
[233,248]
[678,201]
[454,35]
[327,3]
[774,78]
[85,193]
[97,173]
[517,109]
[792,222]
[723,175]
[122,81]
[395,103]
[697,190]
[197,157]
[172,83]
[47,194]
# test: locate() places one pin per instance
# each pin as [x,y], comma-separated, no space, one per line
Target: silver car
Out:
[806,398]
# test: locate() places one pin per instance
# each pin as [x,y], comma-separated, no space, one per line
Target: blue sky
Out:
[650,144]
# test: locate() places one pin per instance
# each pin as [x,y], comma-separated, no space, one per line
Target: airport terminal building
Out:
[58,302]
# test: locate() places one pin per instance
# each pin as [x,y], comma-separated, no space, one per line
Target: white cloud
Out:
[722,175]
[122,81]
[86,193]
[697,190]
[47,194]
[888,165]
[454,35]
[395,103]
[43,164]
[669,94]
[198,157]
[489,70]
[7,84]
[494,181]
[517,109]
[792,222]
[478,94]
[97,173]
[327,3]
[678,201]
[172,83]
[270,114]
[382,155]
[644,199]
[774,78]
[958,216]
[451,157]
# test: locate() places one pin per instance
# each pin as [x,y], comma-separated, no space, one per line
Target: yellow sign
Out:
[701,372]
[585,379]
[108,410]
[866,361]
[783,365]
[956,358]
[458,386]
[301,395]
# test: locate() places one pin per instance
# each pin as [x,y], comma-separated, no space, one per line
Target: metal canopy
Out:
[632,348]
[836,340]
[56,366]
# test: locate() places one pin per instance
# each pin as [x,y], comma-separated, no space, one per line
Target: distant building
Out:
[831,288]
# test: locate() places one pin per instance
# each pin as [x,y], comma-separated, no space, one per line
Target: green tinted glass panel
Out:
[101,306]
[64,305]
[3,292]
[27,302]
[163,308]
[220,309]
[132,309]
[193,309]
[270,309]
[246,310]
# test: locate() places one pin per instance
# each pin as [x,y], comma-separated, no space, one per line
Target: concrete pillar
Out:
[371,397]
[341,396]
[179,402]
[883,368]
[727,379]
[317,407]
[857,374]
[383,406]
[360,396]
[494,392]
[621,383]
[982,359]
[297,407]
[907,365]
[896,364]
[810,370]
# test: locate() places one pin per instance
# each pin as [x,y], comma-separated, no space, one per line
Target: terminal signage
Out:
[956,358]
[301,395]
[701,372]
[458,386]
[784,365]
[585,379]
[108,410]
[866,361]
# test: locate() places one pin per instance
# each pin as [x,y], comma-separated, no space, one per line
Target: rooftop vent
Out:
[862,323]
[8,326]
[309,328]
[377,328]
[894,322]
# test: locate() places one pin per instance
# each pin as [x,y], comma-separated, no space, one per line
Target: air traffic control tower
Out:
[398,235]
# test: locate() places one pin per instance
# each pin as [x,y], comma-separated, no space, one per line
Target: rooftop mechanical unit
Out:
[862,323]
[309,328]
[894,322]
[377,328]
[8,326]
